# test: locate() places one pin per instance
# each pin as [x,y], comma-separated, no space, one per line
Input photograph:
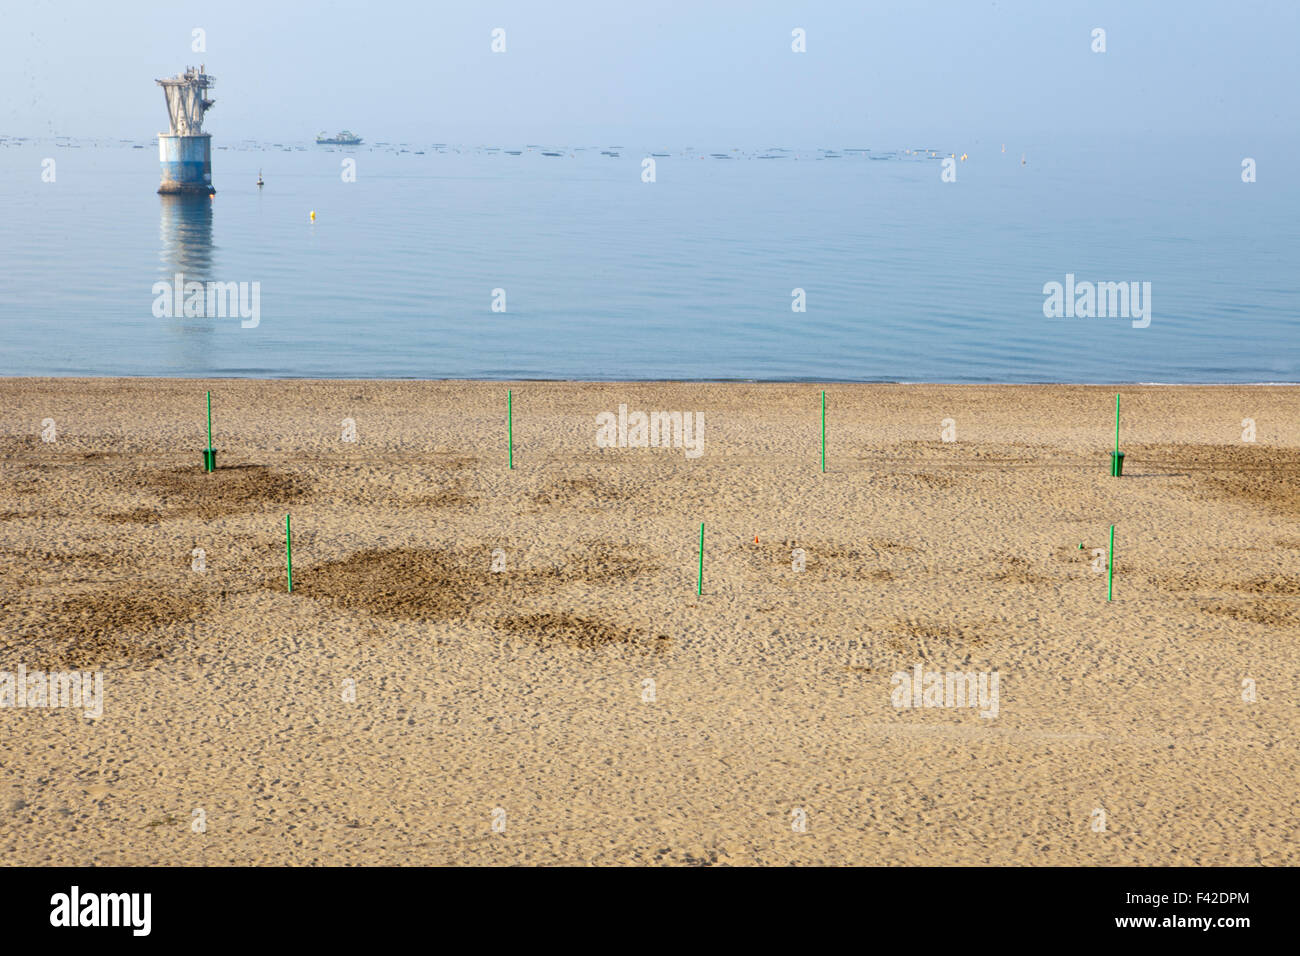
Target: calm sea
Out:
[604,276]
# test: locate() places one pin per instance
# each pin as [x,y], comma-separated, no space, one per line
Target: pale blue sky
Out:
[673,72]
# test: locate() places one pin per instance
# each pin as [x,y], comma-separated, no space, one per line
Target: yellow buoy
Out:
[313,215]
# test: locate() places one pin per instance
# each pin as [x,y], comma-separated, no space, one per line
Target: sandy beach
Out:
[409,704]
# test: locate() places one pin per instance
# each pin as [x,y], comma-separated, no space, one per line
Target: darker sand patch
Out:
[1259,475]
[978,451]
[406,583]
[35,451]
[134,516]
[235,489]
[1284,614]
[108,626]
[888,545]
[170,492]
[598,563]
[449,462]
[1016,569]
[451,490]
[11,445]
[1269,585]
[445,498]
[439,585]
[582,490]
[31,566]
[581,632]
[929,479]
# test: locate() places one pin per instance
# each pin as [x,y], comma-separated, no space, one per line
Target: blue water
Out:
[906,278]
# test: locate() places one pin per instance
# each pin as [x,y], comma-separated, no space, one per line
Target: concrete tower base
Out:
[186,164]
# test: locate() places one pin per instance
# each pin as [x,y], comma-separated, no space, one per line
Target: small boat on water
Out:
[341,138]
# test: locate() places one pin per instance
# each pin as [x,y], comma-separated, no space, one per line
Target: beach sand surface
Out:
[407,704]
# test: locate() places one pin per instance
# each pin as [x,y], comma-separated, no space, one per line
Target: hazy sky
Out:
[696,72]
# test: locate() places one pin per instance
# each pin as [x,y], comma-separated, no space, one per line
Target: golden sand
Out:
[585,701]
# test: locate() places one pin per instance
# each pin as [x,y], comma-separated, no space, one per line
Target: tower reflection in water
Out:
[185,229]
[186,249]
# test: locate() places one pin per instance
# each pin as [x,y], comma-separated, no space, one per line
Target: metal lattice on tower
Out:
[187,100]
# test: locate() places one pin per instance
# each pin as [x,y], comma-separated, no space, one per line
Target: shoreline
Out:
[647,381]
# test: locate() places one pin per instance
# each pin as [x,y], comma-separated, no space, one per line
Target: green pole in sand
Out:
[209,464]
[1116,460]
[510,426]
[699,580]
[1117,423]
[1110,565]
[823,432]
[288,551]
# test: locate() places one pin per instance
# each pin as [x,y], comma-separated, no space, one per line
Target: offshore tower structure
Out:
[185,151]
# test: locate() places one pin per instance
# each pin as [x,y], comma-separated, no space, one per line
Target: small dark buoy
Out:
[259,178]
